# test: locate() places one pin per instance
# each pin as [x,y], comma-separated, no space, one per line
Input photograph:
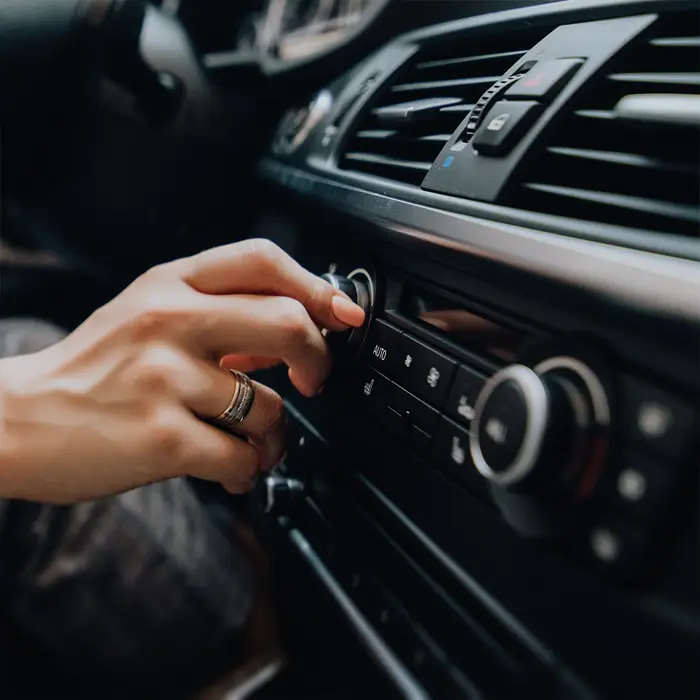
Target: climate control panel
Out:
[561,446]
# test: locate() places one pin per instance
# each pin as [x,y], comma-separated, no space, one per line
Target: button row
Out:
[434,381]
[640,486]
[416,367]
[509,119]
[419,425]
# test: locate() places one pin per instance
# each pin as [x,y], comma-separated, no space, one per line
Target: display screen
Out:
[466,328]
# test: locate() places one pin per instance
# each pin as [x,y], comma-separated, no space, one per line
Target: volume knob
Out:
[359,287]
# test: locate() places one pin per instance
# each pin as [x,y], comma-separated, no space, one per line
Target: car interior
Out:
[496,494]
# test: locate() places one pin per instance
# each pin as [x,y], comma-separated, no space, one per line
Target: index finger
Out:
[258,266]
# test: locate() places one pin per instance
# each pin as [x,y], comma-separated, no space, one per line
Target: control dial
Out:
[538,430]
[359,286]
[280,494]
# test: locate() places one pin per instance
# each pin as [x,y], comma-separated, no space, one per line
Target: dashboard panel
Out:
[496,493]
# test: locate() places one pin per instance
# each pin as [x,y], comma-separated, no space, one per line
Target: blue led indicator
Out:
[448,161]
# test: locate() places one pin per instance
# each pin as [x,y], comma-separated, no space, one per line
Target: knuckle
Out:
[165,437]
[293,320]
[321,293]
[265,255]
[157,367]
[158,272]
[156,320]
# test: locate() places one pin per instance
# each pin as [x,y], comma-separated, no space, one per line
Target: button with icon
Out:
[382,347]
[369,389]
[642,487]
[617,548]
[452,453]
[423,371]
[545,80]
[465,391]
[503,126]
[656,420]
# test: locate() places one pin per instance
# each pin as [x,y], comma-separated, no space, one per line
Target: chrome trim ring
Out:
[537,419]
[598,396]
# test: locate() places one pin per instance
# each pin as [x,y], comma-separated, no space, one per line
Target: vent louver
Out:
[629,155]
[405,126]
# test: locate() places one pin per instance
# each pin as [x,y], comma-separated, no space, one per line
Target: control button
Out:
[408,411]
[503,426]
[545,80]
[369,388]
[616,547]
[423,371]
[465,391]
[503,126]
[656,420]
[383,347]
[642,487]
[452,453]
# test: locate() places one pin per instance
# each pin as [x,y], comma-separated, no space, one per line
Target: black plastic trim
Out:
[659,284]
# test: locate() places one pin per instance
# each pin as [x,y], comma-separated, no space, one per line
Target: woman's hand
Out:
[118,403]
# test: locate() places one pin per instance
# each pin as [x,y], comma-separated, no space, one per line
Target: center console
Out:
[495,495]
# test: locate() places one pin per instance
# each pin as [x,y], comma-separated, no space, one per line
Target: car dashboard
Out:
[496,493]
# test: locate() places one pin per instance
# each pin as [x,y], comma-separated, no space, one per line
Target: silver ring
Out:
[241,402]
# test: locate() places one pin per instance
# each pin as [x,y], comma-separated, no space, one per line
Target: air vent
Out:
[412,117]
[629,154]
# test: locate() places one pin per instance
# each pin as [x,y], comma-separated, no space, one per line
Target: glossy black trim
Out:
[650,282]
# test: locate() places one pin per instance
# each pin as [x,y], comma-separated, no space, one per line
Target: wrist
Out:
[12,373]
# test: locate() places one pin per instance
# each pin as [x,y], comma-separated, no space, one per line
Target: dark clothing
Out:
[137,592]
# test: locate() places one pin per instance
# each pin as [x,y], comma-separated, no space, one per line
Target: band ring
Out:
[239,406]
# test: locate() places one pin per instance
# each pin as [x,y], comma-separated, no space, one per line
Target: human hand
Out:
[118,403]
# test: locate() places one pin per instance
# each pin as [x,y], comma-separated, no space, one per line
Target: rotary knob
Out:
[280,494]
[535,430]
[359,287]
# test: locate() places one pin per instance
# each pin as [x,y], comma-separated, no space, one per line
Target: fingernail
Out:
[346,311]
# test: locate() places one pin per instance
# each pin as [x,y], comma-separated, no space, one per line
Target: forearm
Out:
[12,474]
[22,342]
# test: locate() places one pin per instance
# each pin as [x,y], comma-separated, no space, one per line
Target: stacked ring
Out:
[239,407]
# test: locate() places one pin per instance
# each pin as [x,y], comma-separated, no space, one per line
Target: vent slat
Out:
[649,206]
[446,84]
[658,78]
[416,109]
[595,114]
[458,109]
[405,125]
[688,42]
[511,55]
[376,134]
[608,164]
[629,159]
[390,162]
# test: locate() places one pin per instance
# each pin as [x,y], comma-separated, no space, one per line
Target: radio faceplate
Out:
[538,424]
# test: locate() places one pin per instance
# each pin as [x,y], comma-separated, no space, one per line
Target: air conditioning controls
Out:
[529,430]
[540,436]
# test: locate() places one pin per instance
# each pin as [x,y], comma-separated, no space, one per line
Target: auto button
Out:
[384,347]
